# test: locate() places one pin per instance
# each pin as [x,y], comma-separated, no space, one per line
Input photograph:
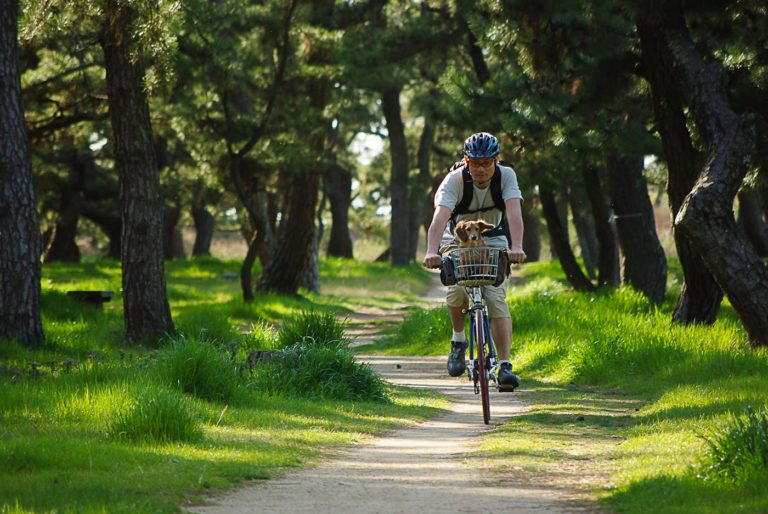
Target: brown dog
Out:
[470,234]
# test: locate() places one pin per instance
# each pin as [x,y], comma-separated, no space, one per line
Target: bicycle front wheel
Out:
[481,365]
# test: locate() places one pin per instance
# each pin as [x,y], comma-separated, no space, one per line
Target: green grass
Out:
[688,383]
[95,426]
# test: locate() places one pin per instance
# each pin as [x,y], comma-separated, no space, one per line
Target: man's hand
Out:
[516,255]
[432,260]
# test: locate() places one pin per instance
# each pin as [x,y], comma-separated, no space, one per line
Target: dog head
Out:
[470,231]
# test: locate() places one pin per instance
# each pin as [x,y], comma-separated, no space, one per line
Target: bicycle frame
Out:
[481,370]
[473,268]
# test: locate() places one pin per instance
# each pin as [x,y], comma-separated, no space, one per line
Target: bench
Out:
[98,298]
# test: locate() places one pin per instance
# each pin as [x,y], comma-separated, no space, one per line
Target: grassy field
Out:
[89,425]
[608,365]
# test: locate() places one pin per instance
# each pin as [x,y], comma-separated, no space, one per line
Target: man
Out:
[479,188]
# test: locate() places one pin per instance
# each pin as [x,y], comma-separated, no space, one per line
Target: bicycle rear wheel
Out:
[481,365]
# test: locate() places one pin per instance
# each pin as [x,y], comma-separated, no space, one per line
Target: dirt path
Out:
[421,469]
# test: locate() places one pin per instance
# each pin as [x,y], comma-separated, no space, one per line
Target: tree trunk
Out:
[291,256]
[338,186]
[585,230]
[146,310]
[643,263]
[700,295]
[246,270]
[751,220]
[607,261]
[420,188]
[204,224]
[62,246]
[706,216]
[561,210]
[111,225]
[398,185]
[20,242]
[173,243]
[311,278]
[532,233]
[557,235]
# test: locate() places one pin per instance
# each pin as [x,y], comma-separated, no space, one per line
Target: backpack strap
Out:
[502,229]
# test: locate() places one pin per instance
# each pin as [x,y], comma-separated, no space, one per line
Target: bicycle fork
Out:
[491,363]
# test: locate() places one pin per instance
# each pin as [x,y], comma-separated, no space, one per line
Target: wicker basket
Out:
[476,266]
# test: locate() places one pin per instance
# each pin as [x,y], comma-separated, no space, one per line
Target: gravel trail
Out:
[421,469]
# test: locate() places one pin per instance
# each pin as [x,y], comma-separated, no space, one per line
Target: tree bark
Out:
[700,295]
[173,244]
[706,216]
[20,241]
[111,225]
[246,270]
[643,263]
[751,220]
[532,233]
[557,235]
[146,310]
[419,188]
[338,187]
[291,256]
[204,224]
[607,260]
[62,245]
[398,185]
[585,231]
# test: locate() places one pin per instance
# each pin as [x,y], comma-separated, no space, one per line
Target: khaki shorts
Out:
[495,296]
[495,299]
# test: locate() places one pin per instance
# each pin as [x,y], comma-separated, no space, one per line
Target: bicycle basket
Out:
[476,266]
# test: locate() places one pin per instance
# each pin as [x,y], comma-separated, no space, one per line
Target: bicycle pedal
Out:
[505,388]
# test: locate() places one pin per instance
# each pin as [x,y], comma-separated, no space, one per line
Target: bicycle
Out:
[473,268]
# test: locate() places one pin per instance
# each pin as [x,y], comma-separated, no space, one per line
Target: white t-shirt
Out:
[452,189]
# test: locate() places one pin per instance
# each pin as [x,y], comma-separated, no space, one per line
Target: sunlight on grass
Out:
[685,382]
[90,425]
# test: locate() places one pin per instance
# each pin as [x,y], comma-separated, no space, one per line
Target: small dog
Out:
[470,234]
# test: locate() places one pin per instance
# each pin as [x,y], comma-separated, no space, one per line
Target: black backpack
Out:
[502,229]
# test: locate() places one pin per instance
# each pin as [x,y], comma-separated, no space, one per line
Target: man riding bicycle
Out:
[479,188]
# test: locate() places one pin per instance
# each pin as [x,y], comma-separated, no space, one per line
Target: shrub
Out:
[325,371]
[156,414]
[198,368]
[322,328]
[740,450]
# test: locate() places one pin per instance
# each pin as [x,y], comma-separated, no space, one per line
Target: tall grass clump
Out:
[316,362]
[322,327]
[309,370]
[740,450]
[156,414]
[199,368]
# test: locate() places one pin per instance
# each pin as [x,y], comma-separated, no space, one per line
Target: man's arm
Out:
[515,220]
[434,235]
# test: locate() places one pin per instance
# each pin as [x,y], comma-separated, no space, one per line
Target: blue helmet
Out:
[481,146]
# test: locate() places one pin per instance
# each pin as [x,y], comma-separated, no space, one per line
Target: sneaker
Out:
[456,359]
[506,380]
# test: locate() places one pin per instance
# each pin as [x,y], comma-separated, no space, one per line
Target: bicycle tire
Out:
[481,365]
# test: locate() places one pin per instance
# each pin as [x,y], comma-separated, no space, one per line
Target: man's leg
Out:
[456,301]
[457,317]
[501,330]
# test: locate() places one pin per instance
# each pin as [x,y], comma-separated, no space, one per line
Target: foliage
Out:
[157,414]
[739,449]
[321,328]
[97,427]
[320,369]
[199,368]
[660,386]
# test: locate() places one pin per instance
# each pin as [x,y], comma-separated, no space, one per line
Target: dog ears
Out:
[485,226]
[461,233]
